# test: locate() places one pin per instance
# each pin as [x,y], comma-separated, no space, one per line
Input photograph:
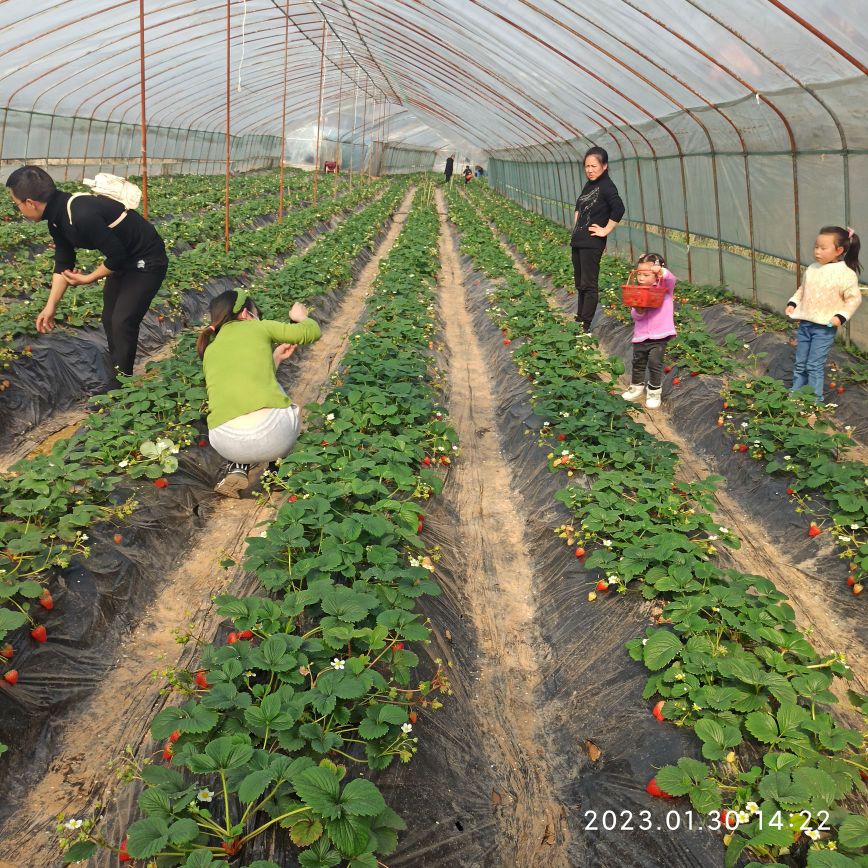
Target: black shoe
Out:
[234,480]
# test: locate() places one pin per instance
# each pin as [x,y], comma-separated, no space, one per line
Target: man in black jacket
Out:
[599,210]
[450,165]
[135,256]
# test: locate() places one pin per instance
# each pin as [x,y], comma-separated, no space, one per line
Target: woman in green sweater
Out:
[251,419]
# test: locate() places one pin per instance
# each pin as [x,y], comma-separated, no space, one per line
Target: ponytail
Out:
[223,309]
[653,258]
[849,240]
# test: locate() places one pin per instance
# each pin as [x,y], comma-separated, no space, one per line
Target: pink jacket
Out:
[653,323]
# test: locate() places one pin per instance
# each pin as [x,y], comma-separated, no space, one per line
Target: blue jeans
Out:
[813,342]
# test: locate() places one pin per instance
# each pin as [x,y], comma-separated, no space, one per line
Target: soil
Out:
[121,711]
[499,587]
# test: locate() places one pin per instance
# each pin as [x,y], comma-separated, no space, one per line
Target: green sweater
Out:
[239,369]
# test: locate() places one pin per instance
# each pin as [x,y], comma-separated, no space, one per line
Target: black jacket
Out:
[133,245]
[598,203]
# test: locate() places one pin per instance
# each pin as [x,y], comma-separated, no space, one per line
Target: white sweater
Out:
[826,291]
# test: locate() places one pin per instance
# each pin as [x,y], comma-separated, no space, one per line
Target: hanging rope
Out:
[319,108]
[338,142]
[283,117]
[144,116]
[355,124]
[243,43]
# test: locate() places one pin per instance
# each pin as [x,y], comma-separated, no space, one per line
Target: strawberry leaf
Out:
[362,798]
[305,832]
[80,851]
[661,649]
[146,838]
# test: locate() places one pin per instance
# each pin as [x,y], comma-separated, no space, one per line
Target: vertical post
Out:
[144,118]
[283,116]
[338,142]
[355,124]
[364,126]
[319,108]
[228,101]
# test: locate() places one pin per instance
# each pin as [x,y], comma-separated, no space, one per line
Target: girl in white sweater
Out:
[827,298]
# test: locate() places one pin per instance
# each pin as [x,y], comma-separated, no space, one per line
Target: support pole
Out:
[228,101]
[283,115]
[144,117]
[340,101]
[319,108]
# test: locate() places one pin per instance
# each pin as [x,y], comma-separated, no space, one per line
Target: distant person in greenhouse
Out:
[599,210]
[478,171]
[251,420]
[450,167]
[135,257]
[653,328]
[828,296]
[468,174]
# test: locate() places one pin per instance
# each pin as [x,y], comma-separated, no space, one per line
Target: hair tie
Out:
[850,232]
[240,301]
[211,329]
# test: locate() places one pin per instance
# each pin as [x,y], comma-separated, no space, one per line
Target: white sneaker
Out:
[652,401]
[634,392]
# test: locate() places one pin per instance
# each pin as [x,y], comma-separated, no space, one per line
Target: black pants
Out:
[127,295]
[650,354]
[586,272]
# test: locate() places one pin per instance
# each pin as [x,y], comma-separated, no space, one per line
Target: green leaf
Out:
[661,649]
[227,753]
[183,831]
[10,620]
[191,718]
[361,798]
[305,831]
[319,789]
[79,852]
[254,785]
[829,859]
[155,803]
[349,834]
[820,785]
[762,727]
[199,859]
[853,832]
[146,838]
[673,780]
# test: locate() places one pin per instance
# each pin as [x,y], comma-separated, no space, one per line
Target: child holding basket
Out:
[653,327]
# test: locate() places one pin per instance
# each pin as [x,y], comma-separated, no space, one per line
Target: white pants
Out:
[264,435]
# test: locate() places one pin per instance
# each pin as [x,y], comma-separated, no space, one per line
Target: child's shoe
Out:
[652,401]
[634,392]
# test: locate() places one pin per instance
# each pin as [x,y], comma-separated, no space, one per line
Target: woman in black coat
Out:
[599,210]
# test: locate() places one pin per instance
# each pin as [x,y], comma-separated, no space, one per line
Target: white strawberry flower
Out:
[338,664]
[607,543]
[205,795]
[330,417]
[744,424]
[712,537]
[72,825]
[753,807]
[813,834]
[123,463]
[406,728]
[743,817]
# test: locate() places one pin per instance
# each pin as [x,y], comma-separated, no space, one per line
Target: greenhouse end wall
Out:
[71,147]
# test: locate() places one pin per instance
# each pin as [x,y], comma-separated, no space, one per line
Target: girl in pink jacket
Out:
[653,327]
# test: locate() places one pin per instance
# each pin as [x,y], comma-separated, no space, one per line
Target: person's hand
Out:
[282,352]
[790,308]
[76,278]
[836,321]
[45,320]
[298,312]
[596,229]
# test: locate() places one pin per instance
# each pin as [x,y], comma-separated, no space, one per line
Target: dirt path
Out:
[121,711]
[759,555]
[499,587]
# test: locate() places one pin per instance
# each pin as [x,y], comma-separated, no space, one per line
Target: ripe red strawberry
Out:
[419,527]
[161,482]
[602,585]
[562,436]
[580,552]
[851,580]
[11,676]
[506,341]
[694,373]
[245,634]
[658,710]
[667,369]
[831,385]
[39,634]
[292,498]
[813,530]
[840,390]
[676,381]
[232,638]
[7,651]
[398,646]
[426,461]
[168,753]
[118,538]
[123,856]
[202,680]
[174,736]
[324,443]
[790,491]
[203,442]
[742,447]
[46,601]
[653,790]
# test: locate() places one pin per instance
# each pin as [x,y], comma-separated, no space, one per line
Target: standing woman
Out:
[135,256]
[599,210]
[450,167]
[251,419]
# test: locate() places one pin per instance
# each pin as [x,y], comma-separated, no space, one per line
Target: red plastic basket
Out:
[634,295]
